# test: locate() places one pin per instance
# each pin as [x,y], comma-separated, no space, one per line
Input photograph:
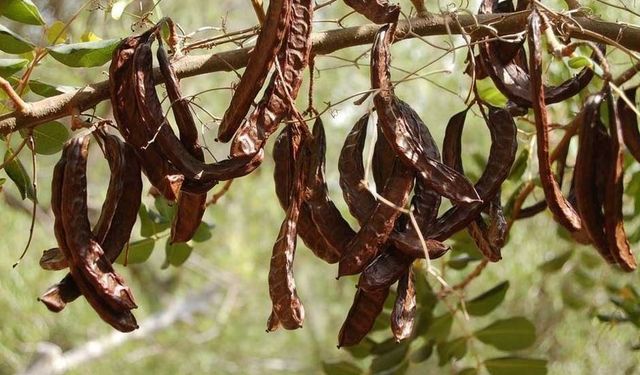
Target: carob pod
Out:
[404,309]
[588,192]
[442,179]
[122,320]
[87,255]
[629,124]
[614,189]
[191,206]
[287,308]
[278,99]
[564,213]
[120,229]
[127,114]
[376,11]
[515,82]
[171,148]
[260,61]
[366,307]
[307,230]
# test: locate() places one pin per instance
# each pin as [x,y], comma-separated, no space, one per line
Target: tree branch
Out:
[323,43]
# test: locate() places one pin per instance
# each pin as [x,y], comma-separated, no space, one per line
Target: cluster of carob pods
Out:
[406,164]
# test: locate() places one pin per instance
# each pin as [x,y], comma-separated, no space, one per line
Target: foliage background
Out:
[227,335]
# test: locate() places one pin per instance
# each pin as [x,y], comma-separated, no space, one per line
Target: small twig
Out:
[20,105]
[214,199]
[257,7]
[35,200]
[472,275]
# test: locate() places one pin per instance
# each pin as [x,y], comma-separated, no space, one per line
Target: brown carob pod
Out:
[404,309]
[191,206]
[283,177]
[629,124]
[376,11]
[154,121]
[87,255]
[54,298]
[262,57]
[280,95]
[564,213]
[127,114]
[442,179]
[614,190]
[120,229]
[515,82]
[366,307]
[287,306]
[588,193]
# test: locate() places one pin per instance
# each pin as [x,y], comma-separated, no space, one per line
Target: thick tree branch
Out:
[323,43]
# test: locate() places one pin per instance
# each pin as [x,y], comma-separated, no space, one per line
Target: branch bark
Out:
[324,43]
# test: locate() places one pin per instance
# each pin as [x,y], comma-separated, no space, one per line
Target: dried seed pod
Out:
[283,88]
[283,177]
[561,209]
[629,124]
[127,115]
[366,307]
[404,309]
[191,206]
[282,289]
[385,270]
[263,55]
[392,120]
[53,260]
[614,189]
[87,255]
[376,11]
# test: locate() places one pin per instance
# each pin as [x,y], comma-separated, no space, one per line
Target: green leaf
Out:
[84,55]
[422,353]
[341,368]
[118,8]
[556,263]
[578,62]
[572,298]
[488,91]
[382,322]
[18,174]
[461,261]
[456,348]
[203,233]
[508,334]
[515,365]
[50,137]
[468,371]
[13,43]
[177,253]
[48,90]
[23,11]
[164,208]
[363,349]
[391,359]
[150,222]
[440,327]
[138,252]
[56,33]
[487,301]
[10,66]
[519,166]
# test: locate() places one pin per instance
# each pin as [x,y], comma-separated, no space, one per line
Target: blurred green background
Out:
[217,303]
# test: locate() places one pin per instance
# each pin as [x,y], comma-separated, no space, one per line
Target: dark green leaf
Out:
[487,301]
[165,209]
[150,222]
[519,166]
[508,334]
[422,353]
[13,43]
[47,90]
[385,346]
[590,260]
[363,349]
[203,233]
[391,359]
[50,137]
[461,261]
[11,66]
[137,252]
[84,55]
[382,321]
[571,296]
[18,174]
[177,253]
[515,365]
[340,368]
[440,327]
[23,11]
[455,349]
[468,371]
[555,264]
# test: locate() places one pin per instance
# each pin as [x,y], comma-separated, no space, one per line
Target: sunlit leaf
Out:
[177,253]
[487,301]
[50,137]
[118,8]
[508,334]
[578,62]
[23,11]
[86,54]
[56,33]
[89,36]
[18,174]
[10,66]
[515,365]
[13,43]
[137,252]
